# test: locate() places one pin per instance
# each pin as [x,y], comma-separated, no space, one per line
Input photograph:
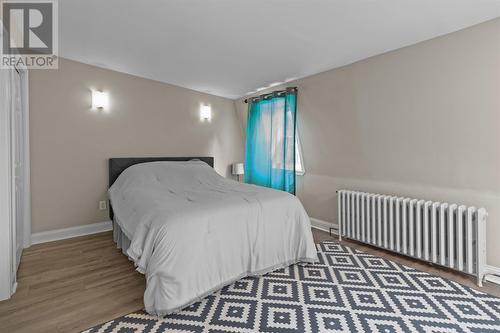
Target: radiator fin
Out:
[445,234]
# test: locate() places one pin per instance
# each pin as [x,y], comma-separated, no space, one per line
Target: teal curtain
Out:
[270,141]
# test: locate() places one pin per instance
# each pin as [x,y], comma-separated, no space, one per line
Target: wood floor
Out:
[71,285]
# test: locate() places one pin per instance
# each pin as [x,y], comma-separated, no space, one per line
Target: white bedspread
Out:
[193,231]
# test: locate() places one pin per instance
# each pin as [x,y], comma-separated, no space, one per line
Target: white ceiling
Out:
[232,47]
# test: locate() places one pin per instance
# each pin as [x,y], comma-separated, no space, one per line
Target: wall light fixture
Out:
[100,100]
[205,112]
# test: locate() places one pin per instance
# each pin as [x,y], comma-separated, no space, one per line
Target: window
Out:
[299,160]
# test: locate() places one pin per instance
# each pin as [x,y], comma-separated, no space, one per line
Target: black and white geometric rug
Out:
[348,291]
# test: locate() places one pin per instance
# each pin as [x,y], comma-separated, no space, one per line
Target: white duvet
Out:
[193,232]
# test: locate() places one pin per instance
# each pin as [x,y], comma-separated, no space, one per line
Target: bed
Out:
[191,231]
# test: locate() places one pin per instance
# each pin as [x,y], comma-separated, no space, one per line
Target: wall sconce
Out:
[205,112]
[100,100]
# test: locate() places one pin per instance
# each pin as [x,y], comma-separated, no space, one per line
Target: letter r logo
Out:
[29,27]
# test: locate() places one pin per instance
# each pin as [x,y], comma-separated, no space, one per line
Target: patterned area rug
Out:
[348,291]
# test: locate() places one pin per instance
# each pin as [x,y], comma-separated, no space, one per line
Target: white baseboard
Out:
[323,225]
[82,230]
[493,270]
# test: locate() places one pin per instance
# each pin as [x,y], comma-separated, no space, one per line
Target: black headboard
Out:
[118,165]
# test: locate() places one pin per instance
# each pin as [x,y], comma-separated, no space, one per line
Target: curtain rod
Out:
[271,93]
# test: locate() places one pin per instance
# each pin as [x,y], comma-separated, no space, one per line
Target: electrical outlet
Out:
[102,205]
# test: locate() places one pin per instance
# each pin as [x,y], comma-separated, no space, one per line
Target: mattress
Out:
[191,231]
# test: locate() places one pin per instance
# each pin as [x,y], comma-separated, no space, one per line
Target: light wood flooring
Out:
[74,284]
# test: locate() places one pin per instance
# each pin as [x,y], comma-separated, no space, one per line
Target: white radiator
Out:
[441,233]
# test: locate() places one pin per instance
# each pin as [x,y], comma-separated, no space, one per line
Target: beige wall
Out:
[70,144]
[422,121]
